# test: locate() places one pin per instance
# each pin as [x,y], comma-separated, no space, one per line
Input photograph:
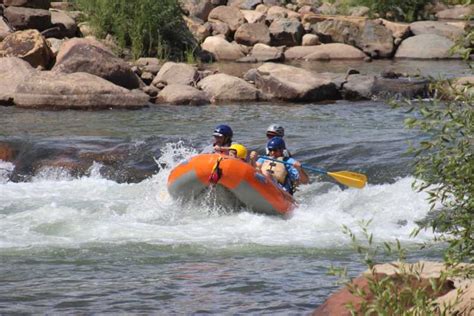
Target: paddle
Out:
[348,178]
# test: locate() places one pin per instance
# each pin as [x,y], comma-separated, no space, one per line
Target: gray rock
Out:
[358,87]
[436,27]
[376,40]
[426,46]
[229,15]
[252,33]
[80,90]
[287,32]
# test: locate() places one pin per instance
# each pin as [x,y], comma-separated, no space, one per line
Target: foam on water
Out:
[57,210]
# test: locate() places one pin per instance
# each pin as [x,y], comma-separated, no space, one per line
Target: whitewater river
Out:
[110,239]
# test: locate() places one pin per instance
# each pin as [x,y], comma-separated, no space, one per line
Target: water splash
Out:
[6,169]
[57,210]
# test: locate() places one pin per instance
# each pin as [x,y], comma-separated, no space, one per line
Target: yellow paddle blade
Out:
[351,179]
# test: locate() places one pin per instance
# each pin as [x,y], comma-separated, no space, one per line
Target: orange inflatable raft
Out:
[192,177]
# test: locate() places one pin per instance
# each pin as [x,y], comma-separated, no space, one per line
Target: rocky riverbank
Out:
[51,61]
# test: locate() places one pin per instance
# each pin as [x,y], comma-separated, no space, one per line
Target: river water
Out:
[110,239]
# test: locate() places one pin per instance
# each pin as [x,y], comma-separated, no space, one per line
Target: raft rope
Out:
[216,173]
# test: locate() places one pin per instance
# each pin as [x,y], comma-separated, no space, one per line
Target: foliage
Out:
[149,27]
[404,293]
[397,10]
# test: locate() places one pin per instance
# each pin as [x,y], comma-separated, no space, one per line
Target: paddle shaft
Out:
[318,170]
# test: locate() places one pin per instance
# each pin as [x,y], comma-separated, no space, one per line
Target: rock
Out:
[375,40]
[53,90]
[294,84]
[28,45]
[456,13]
[358,87]
[359,11]
[402,87]
[27,18]
[328,9]
[222,49]
[60,5]
[222,87]
[399,30]
[198,28]
[67,24]
[252,33]
[6,152]
[336,30]
[54,44]
[262,53]
[229,15]
[253,16]
[436,27]
[425,46]
[91,56]
[5,29]
[310,40]
[286,32]
[178,94]
[176,73]
[36,4]
[9,79]
[276,12]
[197,8]
[324,52]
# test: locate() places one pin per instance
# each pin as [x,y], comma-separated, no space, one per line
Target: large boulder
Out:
[375,40]
[294,84]
[286,32]
[13,71]
[176,73]
[436,27]
[229,15]
[324,52]
[252,16]
[426,46]
[223,87]
[26,18]
[264,53]
[37,4]
[179,94]
[252,33]
[358,87]
[28,45]
[83,91]
[91,56]
[222,49]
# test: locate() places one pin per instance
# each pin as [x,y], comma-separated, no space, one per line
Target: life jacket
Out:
[276,170]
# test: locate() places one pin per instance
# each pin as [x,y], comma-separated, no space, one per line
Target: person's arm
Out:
[253,159]
[303,176]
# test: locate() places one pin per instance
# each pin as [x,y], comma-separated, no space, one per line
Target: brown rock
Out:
[6,152]
[437,27]
[178,94]
[82,91]
[222,49]
[28,45]
[37,4]
[287,32]
[222,87]
[325,52]
[5,29]
[13,71]
[176,73]
[252,33]
[91,56]
[426,46]
[376,40]
[456,13]
[229,15]
[27,18]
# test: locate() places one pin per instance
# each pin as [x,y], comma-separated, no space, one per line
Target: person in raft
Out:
[289,174]
[238,151]
[222,140]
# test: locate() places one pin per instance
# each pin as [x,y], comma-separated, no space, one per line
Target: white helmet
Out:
[276,129]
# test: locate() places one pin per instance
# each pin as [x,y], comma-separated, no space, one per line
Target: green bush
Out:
[149,27]
[396,10]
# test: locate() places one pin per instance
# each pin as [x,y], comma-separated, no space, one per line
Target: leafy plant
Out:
[149,27]
[397,10]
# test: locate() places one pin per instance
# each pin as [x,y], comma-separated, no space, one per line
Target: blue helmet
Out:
[223,130]
[276,143]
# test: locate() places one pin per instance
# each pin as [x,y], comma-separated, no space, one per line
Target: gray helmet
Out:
[276,129]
